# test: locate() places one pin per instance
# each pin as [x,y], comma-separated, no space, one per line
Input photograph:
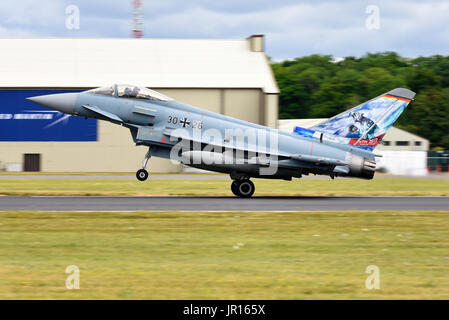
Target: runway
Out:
[173,203]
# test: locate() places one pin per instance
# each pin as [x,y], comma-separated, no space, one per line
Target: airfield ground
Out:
[224,255]
[380,186]
[198,255]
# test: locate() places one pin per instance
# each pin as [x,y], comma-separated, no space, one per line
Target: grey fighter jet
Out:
[339,147]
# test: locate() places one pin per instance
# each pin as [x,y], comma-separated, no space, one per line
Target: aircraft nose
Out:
[62,102]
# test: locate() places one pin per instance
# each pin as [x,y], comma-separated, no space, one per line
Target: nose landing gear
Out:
[142,174]
[243,188]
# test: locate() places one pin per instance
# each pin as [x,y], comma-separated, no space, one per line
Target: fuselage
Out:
[155,117]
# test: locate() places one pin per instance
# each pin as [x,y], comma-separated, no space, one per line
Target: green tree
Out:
[317,86]
[429,116]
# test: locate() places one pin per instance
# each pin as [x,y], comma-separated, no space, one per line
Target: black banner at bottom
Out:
[235,309]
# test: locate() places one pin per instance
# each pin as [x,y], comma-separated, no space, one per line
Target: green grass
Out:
[306,187]
[180,255]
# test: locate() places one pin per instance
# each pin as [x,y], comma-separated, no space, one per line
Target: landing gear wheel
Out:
[142,175]
[234,187]
[245,188]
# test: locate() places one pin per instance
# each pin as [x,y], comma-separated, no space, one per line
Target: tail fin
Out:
[365,125]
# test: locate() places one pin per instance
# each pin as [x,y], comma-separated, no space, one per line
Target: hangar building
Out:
[232,77]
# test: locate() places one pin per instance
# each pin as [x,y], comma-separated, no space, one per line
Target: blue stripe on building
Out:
[23,120]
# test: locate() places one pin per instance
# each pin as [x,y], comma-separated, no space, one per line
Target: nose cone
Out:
[62,102]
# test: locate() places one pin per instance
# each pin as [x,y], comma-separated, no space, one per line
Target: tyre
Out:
[234,188]
[142,175]
[245,189]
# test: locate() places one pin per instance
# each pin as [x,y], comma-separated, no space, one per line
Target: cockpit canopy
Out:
[129,91]
[106,91]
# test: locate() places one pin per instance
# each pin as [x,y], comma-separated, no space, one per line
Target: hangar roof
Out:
[158,63]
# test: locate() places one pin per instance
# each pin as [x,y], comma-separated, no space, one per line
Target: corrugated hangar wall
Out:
[114,150]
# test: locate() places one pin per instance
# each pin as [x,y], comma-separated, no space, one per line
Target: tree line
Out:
[317,86]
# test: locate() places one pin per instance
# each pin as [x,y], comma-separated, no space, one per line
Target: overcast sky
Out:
[292,28]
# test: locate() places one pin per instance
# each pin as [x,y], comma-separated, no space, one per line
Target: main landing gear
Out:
[142,174]
[243,188]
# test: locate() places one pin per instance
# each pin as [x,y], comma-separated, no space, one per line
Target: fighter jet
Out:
[339,147]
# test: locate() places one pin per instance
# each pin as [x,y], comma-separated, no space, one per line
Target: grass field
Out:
[179,255]
[248,255]
[154,186]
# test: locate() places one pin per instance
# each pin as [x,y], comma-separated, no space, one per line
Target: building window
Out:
[402,143]
[417,143]
[386,143]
